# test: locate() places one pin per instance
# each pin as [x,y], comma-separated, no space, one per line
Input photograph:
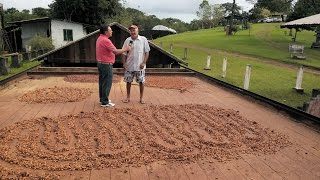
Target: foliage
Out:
[283,6]
[218,13]
[12,14]
[205,14]
[41,12]
[195,24]
[304,8]
[39,42]
[265,12]
[228,8]
[233,10]
[85,11]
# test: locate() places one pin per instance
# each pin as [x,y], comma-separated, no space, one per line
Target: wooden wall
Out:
[82,52]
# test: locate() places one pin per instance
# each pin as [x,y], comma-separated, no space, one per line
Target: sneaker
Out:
[107,105]
[109,101]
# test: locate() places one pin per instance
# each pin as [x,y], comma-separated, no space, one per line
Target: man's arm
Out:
[120,51]
[146,56]
[124,64]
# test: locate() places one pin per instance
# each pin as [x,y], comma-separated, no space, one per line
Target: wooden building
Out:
[83,51]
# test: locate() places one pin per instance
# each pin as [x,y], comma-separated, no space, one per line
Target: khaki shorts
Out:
[139,75]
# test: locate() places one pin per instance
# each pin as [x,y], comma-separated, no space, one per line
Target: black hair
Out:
[104,28]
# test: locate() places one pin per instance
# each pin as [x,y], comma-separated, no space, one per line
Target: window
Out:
[67,35]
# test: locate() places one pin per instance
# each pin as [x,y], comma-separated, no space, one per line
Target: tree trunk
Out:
[231,18]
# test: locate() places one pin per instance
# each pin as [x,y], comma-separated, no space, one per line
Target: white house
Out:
[62,32]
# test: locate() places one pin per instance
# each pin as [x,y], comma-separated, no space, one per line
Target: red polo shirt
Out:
[104,49]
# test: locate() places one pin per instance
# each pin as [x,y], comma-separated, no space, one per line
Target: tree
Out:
[218,13]
[279,6]
[85,11]
[231,28]
[304,8]
[12,14]
[195,24]
[205,14]
[41,12]
[228,8]
[175,24]
[11,11]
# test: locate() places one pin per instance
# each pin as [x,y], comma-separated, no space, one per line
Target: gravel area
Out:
[88,78]
[115,137]
[56,95]
[169,82]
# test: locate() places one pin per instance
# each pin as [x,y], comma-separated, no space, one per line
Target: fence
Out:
[289,86]
[15,60]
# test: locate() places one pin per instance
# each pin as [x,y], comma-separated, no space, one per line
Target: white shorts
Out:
[129,75]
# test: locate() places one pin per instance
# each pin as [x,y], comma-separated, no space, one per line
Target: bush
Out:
[40,42]
[234,29]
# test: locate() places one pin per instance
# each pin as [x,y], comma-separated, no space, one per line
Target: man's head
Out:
[106,30]
[134,31]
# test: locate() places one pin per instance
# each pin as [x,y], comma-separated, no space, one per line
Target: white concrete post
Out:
[299,79]
[224,67]
[208,63]
[171,48]
[185,57]
[247,77]
[161,44]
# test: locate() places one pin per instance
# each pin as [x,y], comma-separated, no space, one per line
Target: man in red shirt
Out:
[105,55]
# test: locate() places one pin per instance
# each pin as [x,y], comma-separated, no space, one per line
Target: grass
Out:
[26,65]
[269,80]
[263,41]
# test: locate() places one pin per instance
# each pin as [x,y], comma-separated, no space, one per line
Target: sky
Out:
[184,10]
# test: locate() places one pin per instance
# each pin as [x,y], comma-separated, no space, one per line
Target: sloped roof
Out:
[163,28]
[307,21]
[44,19]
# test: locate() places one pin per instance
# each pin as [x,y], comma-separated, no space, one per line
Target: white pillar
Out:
[299,79]
[161,44]
[208,63]
[185,57]
[247,77]
[171,48]
[224,67]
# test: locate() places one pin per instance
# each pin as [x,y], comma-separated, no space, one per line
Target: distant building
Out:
[62,32]
[160,31]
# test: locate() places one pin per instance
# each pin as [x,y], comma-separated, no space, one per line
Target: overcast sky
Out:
[180,9]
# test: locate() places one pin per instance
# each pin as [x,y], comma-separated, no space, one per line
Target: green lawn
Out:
[26,65]
[265,41]
[272,81]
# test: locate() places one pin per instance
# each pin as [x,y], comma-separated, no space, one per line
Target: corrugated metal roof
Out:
[307,21]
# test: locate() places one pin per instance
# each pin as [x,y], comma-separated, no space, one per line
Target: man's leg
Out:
[141,85]
[128,77]
[103,71]
[109,75]
[100,82]
[140,75]
[128,86]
